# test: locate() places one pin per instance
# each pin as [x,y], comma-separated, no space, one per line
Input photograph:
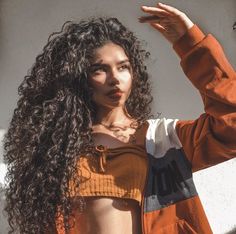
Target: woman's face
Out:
[110,76]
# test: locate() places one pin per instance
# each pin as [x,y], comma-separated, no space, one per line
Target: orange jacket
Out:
[176,148]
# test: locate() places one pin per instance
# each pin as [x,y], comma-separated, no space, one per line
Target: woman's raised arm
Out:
[210,139]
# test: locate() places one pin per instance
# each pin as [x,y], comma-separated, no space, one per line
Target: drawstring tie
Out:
[102,156]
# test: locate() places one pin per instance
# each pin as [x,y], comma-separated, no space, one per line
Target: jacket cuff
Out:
[188,40]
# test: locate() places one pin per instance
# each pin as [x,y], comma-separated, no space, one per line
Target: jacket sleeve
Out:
[211,138]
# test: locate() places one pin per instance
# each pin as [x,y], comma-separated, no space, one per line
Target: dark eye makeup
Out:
[96,68]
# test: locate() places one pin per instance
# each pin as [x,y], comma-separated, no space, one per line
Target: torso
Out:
[105,215]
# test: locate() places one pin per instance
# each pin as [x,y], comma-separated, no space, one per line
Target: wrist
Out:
[191,37]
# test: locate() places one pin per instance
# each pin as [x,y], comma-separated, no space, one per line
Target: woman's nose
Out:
[114,77]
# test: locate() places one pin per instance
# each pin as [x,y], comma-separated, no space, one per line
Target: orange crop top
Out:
[117,172]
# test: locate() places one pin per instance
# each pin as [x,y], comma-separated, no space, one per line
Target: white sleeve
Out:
[161,136]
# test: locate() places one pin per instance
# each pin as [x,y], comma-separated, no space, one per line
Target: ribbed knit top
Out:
[116,172]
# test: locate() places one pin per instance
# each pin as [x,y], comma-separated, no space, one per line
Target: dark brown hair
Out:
[51,125]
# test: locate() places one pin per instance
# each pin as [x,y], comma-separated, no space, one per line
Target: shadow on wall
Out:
[232,231]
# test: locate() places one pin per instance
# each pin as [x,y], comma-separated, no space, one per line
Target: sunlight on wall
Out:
[217,189]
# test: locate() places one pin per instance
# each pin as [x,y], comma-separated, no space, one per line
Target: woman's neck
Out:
[108,116]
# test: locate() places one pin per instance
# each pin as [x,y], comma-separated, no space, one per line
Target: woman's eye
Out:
[124,67]
[98,70]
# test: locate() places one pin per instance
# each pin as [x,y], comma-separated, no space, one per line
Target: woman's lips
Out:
[115,94]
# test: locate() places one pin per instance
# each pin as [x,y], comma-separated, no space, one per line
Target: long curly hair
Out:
[51,125]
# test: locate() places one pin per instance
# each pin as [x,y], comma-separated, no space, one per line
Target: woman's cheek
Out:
[97,85]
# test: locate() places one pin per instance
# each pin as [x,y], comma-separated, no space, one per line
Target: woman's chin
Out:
[111,105]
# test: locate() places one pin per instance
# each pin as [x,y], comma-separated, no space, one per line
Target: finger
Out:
[159,27]
[155,11]
[169,9]
[153,18]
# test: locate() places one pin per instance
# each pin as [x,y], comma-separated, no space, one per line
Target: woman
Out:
[83,155]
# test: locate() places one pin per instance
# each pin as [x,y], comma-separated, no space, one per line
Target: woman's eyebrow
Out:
[99,63]
[98,66]
[123,61]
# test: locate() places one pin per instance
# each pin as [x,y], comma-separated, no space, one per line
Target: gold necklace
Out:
[112,125]
[118,132]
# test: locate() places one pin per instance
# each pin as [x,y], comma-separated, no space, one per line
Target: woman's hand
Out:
[169,21]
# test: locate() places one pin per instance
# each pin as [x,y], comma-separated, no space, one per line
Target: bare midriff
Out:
[106,215]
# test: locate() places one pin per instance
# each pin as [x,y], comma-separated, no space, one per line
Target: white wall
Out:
[25,26]
[3,221]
